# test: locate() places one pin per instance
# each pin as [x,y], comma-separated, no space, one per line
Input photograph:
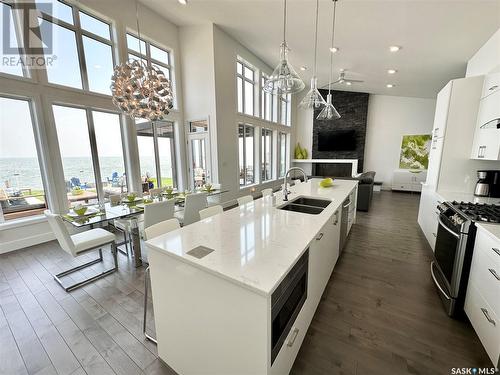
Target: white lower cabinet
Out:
[323,255]
[482,302]
[405,180]
[428,214]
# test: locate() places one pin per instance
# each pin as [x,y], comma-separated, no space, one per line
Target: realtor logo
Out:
[27,38]
[32,27]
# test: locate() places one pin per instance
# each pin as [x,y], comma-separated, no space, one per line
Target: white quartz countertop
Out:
[466,197]
[492,229]
[254,245]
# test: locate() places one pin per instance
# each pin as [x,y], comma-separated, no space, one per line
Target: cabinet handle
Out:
[320,236]
[494,273]
[294,336]
[493,88]
[336,218]
[487,316]
[496,250]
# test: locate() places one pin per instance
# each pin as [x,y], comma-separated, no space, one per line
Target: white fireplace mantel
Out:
[310,162]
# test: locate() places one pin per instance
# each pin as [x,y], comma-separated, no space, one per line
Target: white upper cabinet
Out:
[486,143]
[491,84]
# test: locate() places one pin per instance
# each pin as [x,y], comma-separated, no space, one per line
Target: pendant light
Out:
[284,78]
[329,112]
[140,90]
[313,98]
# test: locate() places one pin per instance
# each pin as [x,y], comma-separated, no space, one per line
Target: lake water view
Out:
[25,173]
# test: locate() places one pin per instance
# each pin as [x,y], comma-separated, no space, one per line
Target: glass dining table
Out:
[103,213]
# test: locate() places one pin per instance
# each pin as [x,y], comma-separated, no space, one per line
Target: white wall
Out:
[389,118]
[487,58]
[226,51]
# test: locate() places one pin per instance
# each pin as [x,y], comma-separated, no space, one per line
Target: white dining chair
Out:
[80,243]
[211,211]
[244,200]
[192,206]
[158,211]
[150,232]
[267,192]
[160,228]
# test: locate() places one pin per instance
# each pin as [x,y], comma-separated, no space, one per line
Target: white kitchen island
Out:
[213,314]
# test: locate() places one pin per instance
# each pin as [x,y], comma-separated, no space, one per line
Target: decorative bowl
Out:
[80,210]
[326,182]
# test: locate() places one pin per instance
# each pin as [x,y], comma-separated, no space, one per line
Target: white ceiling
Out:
[437,36]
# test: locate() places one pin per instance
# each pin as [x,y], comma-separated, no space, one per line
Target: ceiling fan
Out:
[345,81]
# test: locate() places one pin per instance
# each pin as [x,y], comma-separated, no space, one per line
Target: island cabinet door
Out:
[323,255]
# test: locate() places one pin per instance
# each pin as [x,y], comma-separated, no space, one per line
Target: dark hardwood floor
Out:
[380,313]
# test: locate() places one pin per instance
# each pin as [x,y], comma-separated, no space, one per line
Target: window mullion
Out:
[157,154]
[95,156]
[80,51]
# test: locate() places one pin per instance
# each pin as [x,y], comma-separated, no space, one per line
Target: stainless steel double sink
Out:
[306,205]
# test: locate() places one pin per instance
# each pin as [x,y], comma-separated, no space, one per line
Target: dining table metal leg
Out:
[136,246]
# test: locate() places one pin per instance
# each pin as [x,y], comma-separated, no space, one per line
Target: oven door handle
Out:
[448,229]
[436,282]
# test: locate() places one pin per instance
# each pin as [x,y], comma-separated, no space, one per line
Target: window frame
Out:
[79,33]
[263,134]
[34,128]
[285,116]
[94,153]
[244,153]
[146,55]
[156,152]
[281,173]
[254,82]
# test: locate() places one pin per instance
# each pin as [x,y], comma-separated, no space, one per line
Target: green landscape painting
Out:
[415,151]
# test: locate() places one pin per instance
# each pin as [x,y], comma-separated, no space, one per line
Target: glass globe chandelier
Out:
[313,98]
[141,91]
[329,112]
[284,78]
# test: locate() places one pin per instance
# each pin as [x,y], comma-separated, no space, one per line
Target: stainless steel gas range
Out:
[453,251]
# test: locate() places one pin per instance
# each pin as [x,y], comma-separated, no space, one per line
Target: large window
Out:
[21,187]
[91,151]
[84,53]
[282,153]
[246,154]
[245,81]
[266,147]
[151,54]
[266,102]
[157,153]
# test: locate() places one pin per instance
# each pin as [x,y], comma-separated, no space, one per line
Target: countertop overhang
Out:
[254,245]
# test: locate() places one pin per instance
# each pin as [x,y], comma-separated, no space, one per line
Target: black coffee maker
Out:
[488,184]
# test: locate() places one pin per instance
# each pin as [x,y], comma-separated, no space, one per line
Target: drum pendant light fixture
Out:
[313,98]
[329,112]
[284,79]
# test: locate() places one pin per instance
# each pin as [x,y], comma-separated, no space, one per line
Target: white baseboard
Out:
[21,243]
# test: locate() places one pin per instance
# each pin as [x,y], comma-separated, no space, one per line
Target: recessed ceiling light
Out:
[303,67]
[389,85]
[394,48]
[334,49]
[348,83]
[392,71]
[183,2]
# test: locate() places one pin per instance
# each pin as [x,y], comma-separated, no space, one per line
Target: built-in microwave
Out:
[286,302]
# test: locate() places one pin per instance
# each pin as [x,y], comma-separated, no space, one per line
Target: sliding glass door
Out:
[156,153]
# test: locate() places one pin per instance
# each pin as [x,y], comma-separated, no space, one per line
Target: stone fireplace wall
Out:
[353,109]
